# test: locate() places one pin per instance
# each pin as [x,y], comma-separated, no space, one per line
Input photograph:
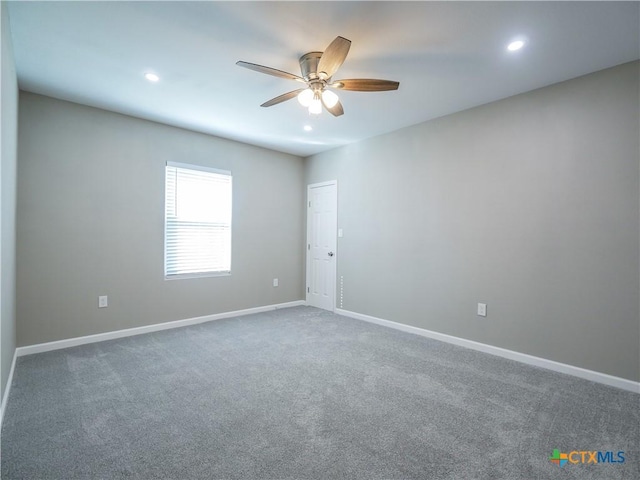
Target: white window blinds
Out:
[197,220]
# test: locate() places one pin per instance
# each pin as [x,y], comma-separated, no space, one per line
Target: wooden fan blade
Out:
[333,57]
[336,110]
[365,85]
[282,98]
[270,71]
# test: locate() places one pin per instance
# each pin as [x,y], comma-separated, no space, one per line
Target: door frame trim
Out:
[307,238]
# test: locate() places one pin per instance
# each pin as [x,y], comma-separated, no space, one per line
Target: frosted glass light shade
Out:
[315,108]
[305,97]
[330,99]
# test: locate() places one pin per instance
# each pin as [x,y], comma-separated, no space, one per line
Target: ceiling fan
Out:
[317,69]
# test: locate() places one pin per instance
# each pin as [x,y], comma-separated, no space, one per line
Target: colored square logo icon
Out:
[558,458]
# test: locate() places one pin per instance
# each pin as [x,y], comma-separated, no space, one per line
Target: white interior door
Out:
[322,221]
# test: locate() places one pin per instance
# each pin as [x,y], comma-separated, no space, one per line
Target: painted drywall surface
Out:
[9,124]
[529,204]
[91,222]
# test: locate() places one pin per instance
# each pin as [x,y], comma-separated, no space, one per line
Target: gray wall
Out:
[529,204]
[91,222]
[8,128]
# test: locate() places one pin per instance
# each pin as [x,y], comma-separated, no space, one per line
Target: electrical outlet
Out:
[482,309]
[103,301]
[275,282]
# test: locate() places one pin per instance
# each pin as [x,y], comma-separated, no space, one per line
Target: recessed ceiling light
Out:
[152,77]
[517,45]
[308,128]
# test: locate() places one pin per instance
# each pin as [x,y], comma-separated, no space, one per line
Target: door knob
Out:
[330,254]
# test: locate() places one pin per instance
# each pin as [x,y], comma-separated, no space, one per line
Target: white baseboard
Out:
[101,337]
[7,388]
[598,377]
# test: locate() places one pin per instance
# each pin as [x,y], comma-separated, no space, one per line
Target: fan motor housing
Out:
[309,65]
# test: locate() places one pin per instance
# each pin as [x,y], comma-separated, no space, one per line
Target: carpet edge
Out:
[7,389]
[525,358]
[156,327]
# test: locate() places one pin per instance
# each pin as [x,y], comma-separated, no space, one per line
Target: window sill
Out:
[197,275]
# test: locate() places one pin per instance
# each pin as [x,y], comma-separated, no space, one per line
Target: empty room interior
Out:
[320,240]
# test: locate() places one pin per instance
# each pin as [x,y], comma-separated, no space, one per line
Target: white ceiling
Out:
[447,56]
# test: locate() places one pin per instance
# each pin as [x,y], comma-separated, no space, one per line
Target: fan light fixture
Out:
[314,100]
[315,107]
[329,98]
[305,97]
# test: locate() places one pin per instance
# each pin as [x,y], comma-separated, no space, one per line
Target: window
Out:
[197,221]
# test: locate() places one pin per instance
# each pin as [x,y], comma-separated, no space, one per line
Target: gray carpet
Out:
[301,393]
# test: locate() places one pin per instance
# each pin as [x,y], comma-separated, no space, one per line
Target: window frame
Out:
[202,168]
